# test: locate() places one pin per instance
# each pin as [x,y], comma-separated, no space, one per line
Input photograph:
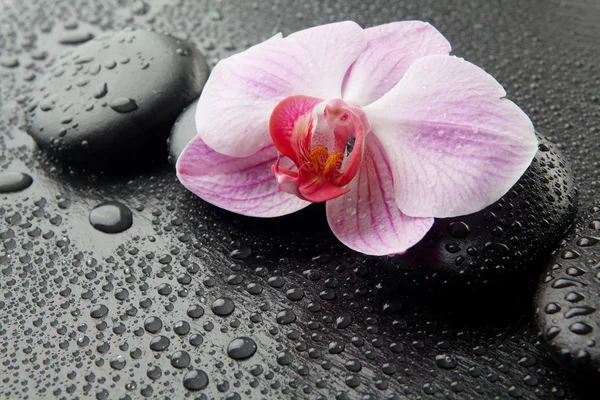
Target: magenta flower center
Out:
[315,135]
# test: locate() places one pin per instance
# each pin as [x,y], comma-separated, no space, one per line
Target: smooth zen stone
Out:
[113,100]
[500,245]
[111,217]
[183,131]
[567,301]
[14,182]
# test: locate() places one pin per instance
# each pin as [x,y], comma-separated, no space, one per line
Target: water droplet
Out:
[99,311]
[574,271]
[343,321]
[353,365]
[196,340]
[153,324]
[195,311]
[352,381]
[76,38]
[181,328]
[294,294]
[286,317]
[552,308]
[123,105]
[241,348]
[563,283]
[154,372]
[552,332]
[223,306]
[580,328]
[241,253]
[111,217]
[336,347]
[180,359]
[574,297]
[14,182]
[118,362]
[569,255]
[195,380]
[285,358]
[578,311]
[101,91]
[160,343]
[588,241]
[445,361]
[458,229]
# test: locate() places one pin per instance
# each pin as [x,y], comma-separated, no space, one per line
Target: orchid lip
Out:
[315,135]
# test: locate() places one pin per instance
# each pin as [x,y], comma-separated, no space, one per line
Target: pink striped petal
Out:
[242,185]
[367,218]
[455,144]
[391,49]
[234,109]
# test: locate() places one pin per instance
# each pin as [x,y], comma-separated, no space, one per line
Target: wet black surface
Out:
[77,304]
[568,300]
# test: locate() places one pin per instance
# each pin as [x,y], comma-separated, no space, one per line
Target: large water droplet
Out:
[123,105]
[195,380]
[76,38]
[160,343]
[445,361]
[223,306]
[241,348]
[286,317]
[101,90]
[285,358]
[458,229]
[153,324]
[99,311]
[111,217]
[180,359]
[14,182]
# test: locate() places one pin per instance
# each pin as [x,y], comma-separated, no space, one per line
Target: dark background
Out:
[546,55]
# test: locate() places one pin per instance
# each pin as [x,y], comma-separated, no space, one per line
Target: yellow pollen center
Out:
[326,164]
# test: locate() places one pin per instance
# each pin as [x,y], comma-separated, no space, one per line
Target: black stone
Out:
[112,101]
[568,301]
[501,244]
[183,131]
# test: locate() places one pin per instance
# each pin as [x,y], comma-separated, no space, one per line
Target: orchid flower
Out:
[382,124]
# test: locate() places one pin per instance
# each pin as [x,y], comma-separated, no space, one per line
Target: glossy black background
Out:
[545,53]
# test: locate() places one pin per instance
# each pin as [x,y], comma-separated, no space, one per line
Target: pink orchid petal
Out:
[234,109]
[455,144]
[367,219]
[290,120]
[391,49]
[242,185]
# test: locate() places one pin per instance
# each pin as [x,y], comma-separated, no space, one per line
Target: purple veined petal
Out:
[233,112]
[455,144]
[391,49]
[242,185]
[367,219]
